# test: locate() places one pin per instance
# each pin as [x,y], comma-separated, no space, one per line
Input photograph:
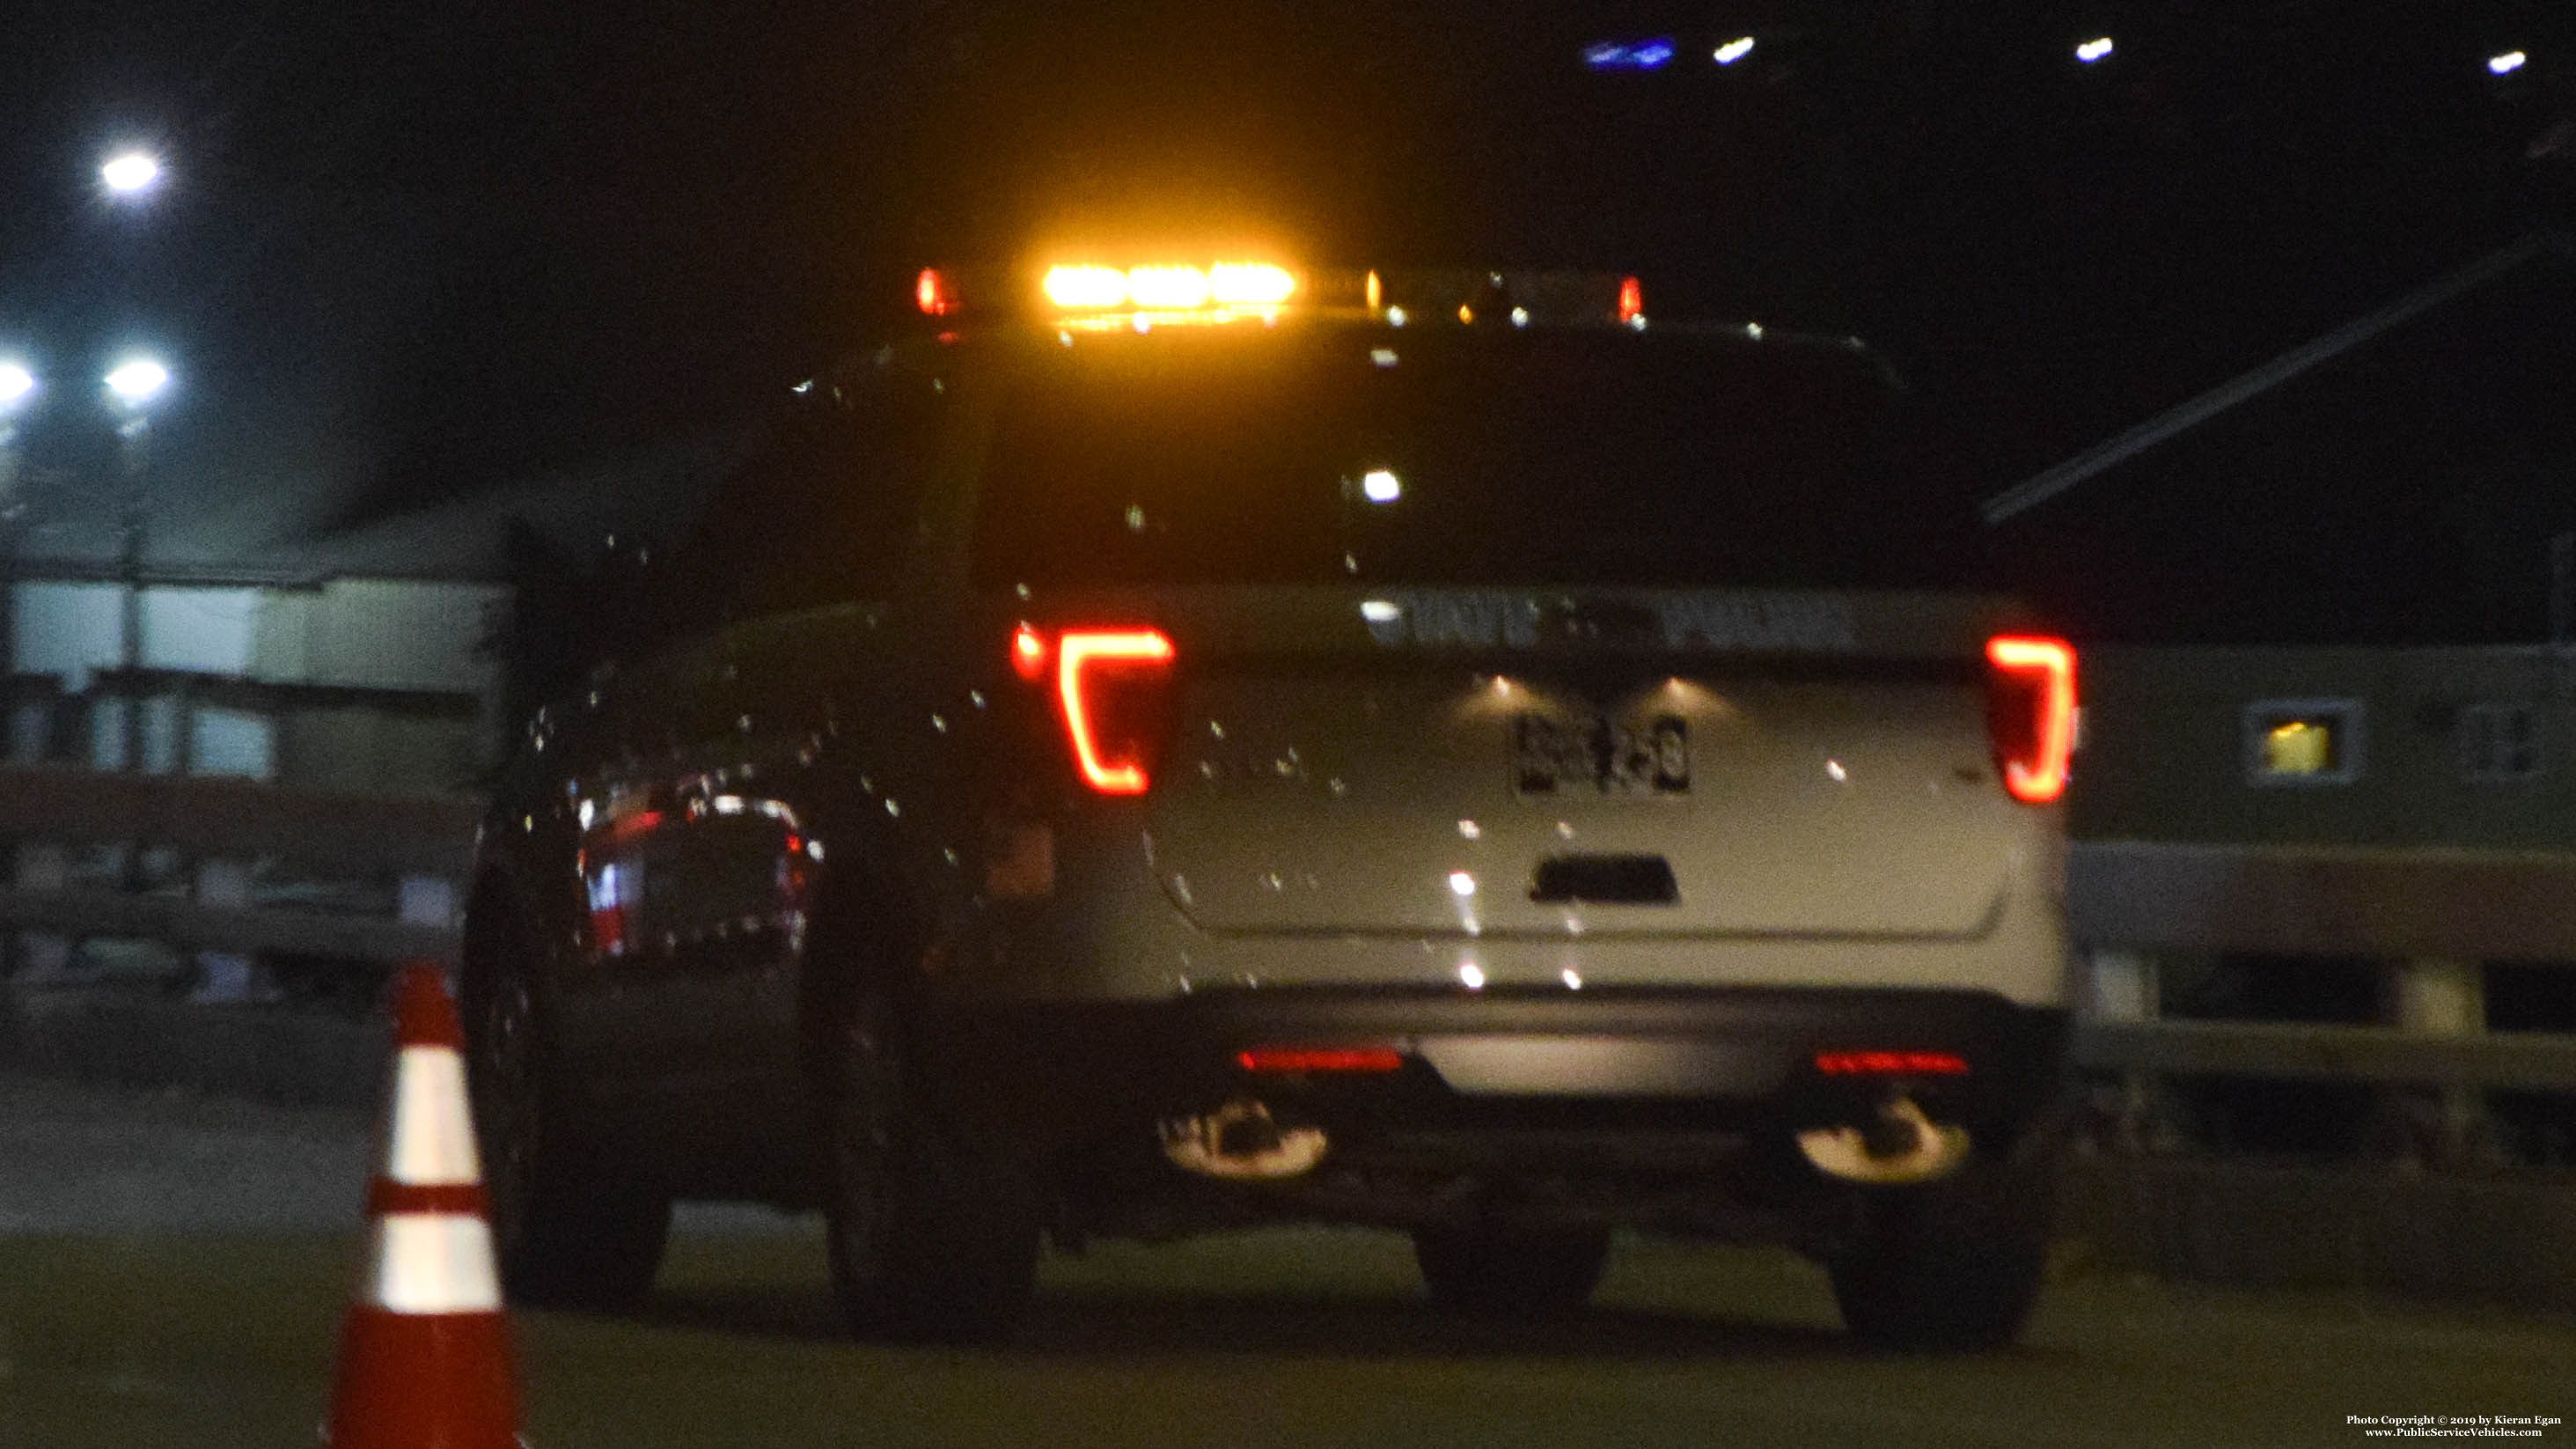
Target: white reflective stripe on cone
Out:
[431,1143]
[432,1263]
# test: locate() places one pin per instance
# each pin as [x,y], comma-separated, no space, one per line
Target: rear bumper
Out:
[1060,1078]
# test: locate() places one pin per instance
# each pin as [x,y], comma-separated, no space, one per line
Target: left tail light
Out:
[1113,692]
[2030,714]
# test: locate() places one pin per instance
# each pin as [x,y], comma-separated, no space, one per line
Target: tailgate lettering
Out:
[1492,618]
[1756,622]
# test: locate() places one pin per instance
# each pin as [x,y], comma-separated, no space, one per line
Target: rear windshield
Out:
[1452,456]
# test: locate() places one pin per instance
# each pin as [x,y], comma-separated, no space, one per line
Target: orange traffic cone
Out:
[425,1352]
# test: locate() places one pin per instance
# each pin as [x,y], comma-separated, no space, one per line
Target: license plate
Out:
[1598,756]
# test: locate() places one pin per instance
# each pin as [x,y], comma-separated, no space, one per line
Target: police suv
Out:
[1174,747]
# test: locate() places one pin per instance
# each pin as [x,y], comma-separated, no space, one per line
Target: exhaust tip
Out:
[1241,1142]
[1900,1145]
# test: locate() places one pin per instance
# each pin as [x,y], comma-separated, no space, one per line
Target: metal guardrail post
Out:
[426,900]
[225,976]
[41,866]
[2123,987]
[2439,997]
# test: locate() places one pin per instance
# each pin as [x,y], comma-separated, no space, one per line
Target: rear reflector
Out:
[1112,683]
[1028,653]
[1319,1059]
[1891,1064]
[2030,714]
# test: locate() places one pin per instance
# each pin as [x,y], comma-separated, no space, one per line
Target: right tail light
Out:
[2030,713]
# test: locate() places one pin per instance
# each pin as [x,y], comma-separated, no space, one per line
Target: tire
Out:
[567,1233]
[932,1238]
[1952,1265]
[1511,1273]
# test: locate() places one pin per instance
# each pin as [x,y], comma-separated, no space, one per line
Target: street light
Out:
[130,173]
[17,386]
[137,381]
[134,383]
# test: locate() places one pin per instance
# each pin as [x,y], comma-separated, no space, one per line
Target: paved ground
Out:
[175,1316]
[80,1158]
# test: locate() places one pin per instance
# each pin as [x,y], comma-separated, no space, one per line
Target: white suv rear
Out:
[1503,776]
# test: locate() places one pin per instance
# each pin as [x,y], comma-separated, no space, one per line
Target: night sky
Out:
[410,252]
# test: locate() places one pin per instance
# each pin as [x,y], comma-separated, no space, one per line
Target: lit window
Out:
[2299,747]
[2303,742]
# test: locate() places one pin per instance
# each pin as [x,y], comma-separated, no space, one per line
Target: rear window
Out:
[1453,456]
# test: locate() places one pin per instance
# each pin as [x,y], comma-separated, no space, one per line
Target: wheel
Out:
[1511,1272]
[566,1231]
[1953,1264]
[932,1238]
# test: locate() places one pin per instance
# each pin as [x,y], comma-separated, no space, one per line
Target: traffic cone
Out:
[425,1351]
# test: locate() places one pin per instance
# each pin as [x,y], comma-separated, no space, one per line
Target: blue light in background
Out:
[1629,54]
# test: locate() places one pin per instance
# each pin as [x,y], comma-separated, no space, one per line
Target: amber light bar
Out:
[1092,296]
[1179,288]
[1891,1064]
[1280,1059]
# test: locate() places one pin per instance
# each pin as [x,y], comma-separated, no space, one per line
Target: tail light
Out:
[1113,692]
[1286,1059]
[2030,714]
[1891,1064]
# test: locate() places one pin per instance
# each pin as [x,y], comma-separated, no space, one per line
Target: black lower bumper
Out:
[1052,1078]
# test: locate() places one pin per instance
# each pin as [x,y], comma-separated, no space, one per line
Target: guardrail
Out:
[219,832]
[2429,919]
